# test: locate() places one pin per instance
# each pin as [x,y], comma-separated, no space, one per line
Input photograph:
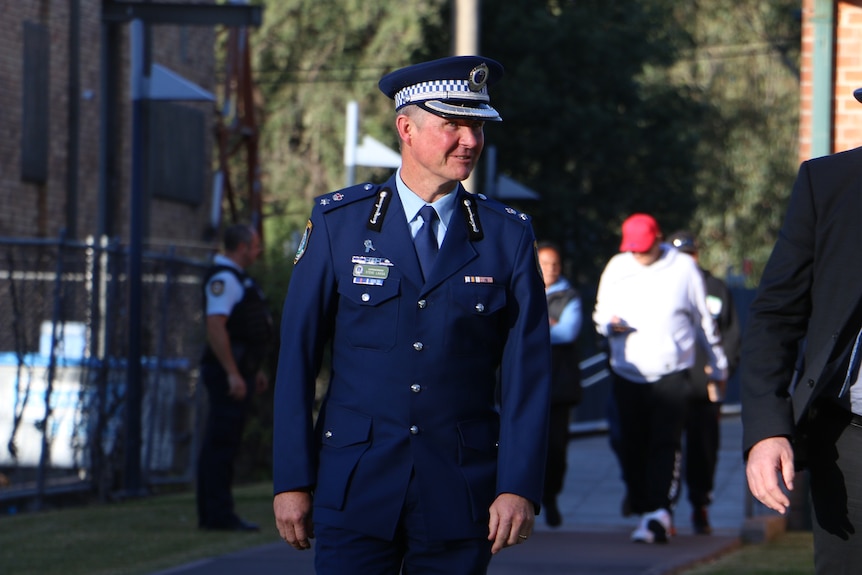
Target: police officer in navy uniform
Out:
[424,291]
[239,329]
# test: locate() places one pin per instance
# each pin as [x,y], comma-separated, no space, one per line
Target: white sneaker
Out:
[654,527]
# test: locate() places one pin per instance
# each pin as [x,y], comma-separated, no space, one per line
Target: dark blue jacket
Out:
[414,366]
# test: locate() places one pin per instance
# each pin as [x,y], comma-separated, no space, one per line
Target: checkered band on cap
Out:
[439,90]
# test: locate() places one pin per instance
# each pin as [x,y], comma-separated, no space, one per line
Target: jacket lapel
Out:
[456,250]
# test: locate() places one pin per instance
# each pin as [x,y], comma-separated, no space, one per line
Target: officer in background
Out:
[565,317]
[239,329]
[424,291]
[702,427]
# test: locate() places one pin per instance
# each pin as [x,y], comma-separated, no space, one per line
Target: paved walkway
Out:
[593,539]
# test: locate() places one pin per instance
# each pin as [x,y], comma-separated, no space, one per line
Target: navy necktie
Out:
[426,240]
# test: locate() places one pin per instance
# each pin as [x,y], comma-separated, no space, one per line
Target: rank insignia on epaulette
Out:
[303,243]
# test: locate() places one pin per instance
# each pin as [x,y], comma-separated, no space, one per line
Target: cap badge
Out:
[478,77]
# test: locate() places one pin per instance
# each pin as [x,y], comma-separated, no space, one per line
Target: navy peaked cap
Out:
[454,87]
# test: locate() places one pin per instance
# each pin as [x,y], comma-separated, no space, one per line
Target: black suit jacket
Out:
[808,298]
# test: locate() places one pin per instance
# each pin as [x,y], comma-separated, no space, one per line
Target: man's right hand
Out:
[768,459]
[293,518]
[236,386]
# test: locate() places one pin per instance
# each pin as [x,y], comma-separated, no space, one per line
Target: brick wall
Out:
[39,210]
[805,84]
[847,112]
[848,75]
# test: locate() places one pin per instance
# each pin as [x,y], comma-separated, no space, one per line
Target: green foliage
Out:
[685,110]
[744,61]
[590,120]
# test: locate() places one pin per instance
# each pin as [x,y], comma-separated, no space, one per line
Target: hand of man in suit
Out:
[293,518]
[766,460]
[512,519]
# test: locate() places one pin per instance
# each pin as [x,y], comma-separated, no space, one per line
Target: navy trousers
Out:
[343,552]
[220,446]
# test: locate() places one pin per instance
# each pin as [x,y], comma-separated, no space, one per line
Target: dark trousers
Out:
[340,551]
[835,472]
[651,419]
[702,438]
[558,444]
[221,443]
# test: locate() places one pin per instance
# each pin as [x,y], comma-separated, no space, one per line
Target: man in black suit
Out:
[800,396]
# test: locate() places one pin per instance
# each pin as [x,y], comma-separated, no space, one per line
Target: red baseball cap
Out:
[639,233]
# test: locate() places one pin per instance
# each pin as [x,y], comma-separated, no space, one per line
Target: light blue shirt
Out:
[569,326]
[412,203]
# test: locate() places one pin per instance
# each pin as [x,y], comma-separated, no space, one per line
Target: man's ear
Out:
[405,126]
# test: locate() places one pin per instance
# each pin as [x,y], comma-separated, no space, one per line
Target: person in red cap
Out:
[651,307]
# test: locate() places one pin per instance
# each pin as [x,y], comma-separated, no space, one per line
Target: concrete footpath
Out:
[594,537]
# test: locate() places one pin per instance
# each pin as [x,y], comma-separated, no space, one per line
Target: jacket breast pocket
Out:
[368,314]
[477,318]
[345,436]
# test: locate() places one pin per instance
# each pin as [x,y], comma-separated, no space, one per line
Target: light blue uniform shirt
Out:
[412,203]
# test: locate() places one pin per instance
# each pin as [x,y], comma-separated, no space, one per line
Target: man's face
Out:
[650,256]
[440,149]
[549,261]
[251,251]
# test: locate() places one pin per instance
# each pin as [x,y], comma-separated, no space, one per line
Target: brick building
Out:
[79,315]
[830,117]
[65,103]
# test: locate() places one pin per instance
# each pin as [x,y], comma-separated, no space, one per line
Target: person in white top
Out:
[651,306]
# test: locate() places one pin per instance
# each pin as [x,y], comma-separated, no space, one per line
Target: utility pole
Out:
[466,43]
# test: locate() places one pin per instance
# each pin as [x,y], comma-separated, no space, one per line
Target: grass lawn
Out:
[141,536]
[790,554]
[128,538]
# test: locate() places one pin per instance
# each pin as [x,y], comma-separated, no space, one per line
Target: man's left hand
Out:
[512,519]
[261,383]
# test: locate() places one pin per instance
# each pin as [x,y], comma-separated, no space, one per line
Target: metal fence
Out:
[63,345]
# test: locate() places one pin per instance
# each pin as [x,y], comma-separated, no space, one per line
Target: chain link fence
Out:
[63,349]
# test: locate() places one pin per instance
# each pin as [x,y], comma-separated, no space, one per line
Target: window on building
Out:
[35,104]
[177,159]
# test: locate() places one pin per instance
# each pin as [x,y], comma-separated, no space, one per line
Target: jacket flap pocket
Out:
[479,434]
[480,299]
[342,427]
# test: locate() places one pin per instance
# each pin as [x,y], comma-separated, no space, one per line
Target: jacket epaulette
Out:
[502,208]
[343,197]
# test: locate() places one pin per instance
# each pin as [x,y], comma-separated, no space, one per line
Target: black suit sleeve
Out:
[778,321]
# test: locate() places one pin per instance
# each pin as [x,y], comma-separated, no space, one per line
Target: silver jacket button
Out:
[327,435]
[480,307]
[415,388]
[422,303]
[365,297]
[418,346]
[414,430]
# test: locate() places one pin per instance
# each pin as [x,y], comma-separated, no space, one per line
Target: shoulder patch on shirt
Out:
[303,242]
[217,287]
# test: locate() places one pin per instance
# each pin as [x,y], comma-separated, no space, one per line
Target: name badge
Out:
[370,271]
